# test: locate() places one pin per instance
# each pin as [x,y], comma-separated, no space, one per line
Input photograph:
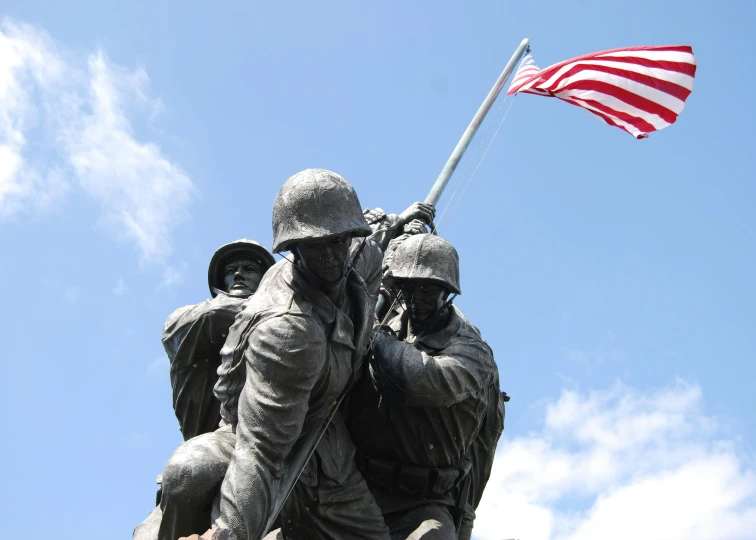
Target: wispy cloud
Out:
[136,439]
[172,276]
[67,121]
[27,62]
[621,464]
[121,288]
[71,295]
[158,366]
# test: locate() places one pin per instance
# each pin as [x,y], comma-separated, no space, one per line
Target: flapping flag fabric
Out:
[638,89]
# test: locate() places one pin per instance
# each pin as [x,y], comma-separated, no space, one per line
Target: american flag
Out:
[638,89]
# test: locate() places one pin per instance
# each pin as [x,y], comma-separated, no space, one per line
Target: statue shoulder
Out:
[469,331]
[276,298]
[179,317]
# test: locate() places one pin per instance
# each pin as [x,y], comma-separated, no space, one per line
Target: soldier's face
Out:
[327,259]
[242,277]
[423,300]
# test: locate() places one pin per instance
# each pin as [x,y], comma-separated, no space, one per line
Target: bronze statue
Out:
[287,362]
[194,335]
[418,415]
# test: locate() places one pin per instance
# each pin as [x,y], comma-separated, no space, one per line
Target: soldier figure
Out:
[194,335]
[288,359]
[417,416]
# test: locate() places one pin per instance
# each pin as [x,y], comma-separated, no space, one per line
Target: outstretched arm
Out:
[386,227]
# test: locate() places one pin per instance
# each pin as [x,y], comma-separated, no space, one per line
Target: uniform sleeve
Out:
[385,226]
[173,330]
[284,357]
[369,264]
[194,371]
[457,372]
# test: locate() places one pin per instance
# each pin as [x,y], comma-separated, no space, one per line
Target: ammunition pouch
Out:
[415,481]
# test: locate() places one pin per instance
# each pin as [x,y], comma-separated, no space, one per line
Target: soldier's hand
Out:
[418,210]
[415,226]
[213,534]
[384,329]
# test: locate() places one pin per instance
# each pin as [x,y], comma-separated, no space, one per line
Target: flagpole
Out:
[467,136]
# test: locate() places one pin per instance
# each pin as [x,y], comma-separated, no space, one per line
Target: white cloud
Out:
[27,61]
[142,194]
[621,464]
[66,121]
[173,276]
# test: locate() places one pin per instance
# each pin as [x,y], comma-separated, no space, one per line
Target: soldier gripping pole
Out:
[467,136]
[306,446]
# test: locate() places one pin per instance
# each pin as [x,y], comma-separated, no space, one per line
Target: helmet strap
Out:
[350,263]
[428,323]
[334,290]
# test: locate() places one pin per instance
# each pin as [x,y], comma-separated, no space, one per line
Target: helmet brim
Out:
[324,237]
[236,250]
[396,281]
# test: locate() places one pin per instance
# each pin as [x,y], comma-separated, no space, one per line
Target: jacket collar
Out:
[327,312]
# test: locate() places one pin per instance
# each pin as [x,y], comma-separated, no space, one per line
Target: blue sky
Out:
[612,277]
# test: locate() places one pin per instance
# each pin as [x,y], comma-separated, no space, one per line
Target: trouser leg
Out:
[148,529]
[329,510]
[465,530]
[191,481]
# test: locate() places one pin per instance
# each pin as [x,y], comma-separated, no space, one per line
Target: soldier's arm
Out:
[386,227]
[284,357]
[179,343]
[368,264]
[174,329]
[193,369]
[455,374]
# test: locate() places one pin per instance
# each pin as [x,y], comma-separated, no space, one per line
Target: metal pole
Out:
[464,142]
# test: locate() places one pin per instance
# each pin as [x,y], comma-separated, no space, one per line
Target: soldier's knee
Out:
[185,477]
[196,469]
[175,478]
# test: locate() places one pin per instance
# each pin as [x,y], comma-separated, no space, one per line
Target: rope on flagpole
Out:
[469,166]
[483,157]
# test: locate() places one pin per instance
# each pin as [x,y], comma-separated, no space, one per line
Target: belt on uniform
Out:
[417,481]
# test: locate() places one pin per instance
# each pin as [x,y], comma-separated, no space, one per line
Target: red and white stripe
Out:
[638,89]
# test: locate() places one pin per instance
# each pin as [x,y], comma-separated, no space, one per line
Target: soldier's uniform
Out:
[289,358]
[286,361]
[193,337]
[481,454]
[415,419]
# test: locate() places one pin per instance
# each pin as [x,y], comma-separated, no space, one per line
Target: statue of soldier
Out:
[416,417]
[481,454]
[193,337]
[287,361]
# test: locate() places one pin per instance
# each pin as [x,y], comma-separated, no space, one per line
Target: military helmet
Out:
[426,257]
[315,204]
[243,247]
